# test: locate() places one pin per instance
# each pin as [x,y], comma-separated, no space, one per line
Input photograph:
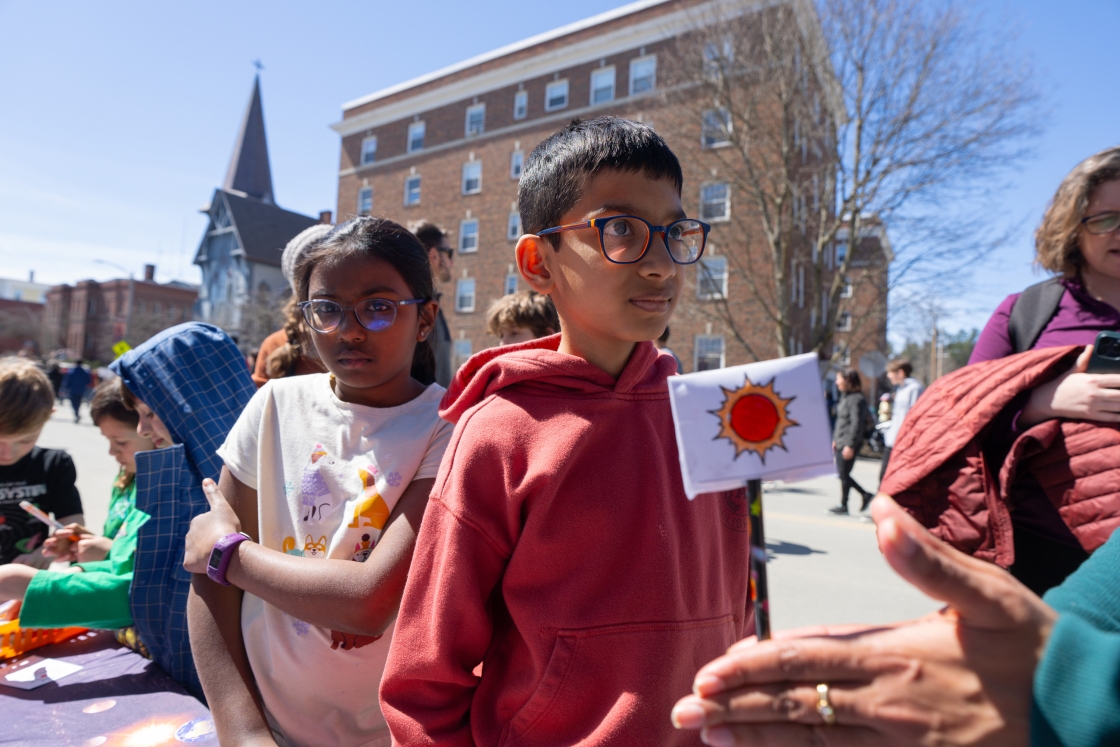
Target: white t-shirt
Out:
[327,474]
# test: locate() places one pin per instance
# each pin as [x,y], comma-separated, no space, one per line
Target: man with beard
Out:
[442,257]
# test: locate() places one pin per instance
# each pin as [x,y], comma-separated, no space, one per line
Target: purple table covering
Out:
[118,698]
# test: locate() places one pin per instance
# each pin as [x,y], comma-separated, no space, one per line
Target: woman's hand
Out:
[61,544]
[848,453]
[1075,395]
[208,528]
[959,677]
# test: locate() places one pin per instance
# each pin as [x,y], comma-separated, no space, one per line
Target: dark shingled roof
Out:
[249,171]
[263,228]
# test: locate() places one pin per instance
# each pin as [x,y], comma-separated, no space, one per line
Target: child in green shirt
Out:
[93,593]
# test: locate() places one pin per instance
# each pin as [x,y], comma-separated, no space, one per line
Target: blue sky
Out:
[117,119]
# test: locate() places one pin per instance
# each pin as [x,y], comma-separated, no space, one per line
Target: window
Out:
[711,280]
[842,353]
[510,285]
[643,74]
[846,288]
[513,228]
[844,322]
[709,352]
[715,202]
[556,95]
[472,177]
[365,200]
[369,150]
[462,352]
[716,60]
[800,286]
[468,236]
[464,295]
[521,105]
[416,136]
[412,190]
[516,162]
[602,85]
[841,252]
[715,130]
[476,119]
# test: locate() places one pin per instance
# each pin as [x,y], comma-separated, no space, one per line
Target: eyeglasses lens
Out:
[624,239]
[376,315]
[322,316]
[685,240]
[1103,223]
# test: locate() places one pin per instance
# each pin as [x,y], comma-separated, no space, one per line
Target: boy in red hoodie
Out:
[558,548]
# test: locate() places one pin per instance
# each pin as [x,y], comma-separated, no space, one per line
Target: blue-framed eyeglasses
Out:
[375,314]
[625,239]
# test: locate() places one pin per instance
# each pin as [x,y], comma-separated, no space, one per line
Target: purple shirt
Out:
[1077,321]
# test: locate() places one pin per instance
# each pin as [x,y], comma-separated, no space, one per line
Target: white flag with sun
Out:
[763,420]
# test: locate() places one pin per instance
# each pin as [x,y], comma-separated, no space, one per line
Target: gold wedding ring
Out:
[824,705]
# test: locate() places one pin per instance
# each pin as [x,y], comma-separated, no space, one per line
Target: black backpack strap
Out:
[1032,311]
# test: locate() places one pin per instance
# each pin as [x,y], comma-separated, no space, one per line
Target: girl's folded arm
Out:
[343,595]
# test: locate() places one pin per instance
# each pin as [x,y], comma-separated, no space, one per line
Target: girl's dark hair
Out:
[851,378]
[108,402]
[385,240]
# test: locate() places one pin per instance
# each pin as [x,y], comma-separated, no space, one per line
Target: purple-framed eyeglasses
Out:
[625,239]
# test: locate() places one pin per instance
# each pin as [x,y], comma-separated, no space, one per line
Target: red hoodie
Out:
[559,549]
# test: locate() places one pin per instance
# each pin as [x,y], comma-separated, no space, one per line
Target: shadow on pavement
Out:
[791,548]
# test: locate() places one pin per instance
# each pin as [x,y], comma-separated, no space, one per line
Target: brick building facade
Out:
[449,146]
[89,317]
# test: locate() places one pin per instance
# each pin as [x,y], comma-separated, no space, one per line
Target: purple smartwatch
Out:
[221,555]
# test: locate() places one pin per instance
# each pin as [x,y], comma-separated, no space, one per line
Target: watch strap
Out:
[221,555]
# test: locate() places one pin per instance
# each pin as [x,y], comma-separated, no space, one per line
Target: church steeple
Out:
[249,171]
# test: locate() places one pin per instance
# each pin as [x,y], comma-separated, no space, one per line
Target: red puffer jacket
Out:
[939,471]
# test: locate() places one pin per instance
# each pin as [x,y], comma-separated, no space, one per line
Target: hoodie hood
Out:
[537,364]
[195,379]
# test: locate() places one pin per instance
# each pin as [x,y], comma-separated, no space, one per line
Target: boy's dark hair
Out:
[527,309]
[385,240]
[852,379]
[901,364]
[26,397]
[108,402]
[429,234]
[558,169]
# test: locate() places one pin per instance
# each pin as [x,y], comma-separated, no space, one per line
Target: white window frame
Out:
[369,150]
[472,166]
[462,350]
[722,130]
[513,226]
[712,67]
[704,215]
[472,247]
[468,131]
[521,105]
[711,286]
[556,85]
[510,285]
[413,129]
[461,295]
[844,321]
[846,288]
[516,164]
[365,198]
[636,62]
[408,189]
[696,357]
[601,72]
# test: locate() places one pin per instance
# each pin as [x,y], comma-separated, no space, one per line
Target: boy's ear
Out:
[532,264]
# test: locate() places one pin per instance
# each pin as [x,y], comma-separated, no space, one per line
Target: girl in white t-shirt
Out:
[328,475]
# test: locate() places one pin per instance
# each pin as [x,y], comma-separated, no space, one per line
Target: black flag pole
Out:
[760,594]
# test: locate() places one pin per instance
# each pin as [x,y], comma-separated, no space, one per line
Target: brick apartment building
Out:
[89,317]
[449,147]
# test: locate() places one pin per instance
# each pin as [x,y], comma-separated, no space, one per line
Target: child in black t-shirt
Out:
[45,477]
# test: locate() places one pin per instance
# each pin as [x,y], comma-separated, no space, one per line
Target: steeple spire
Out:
[249,171]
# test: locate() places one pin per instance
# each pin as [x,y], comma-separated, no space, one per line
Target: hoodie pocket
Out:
[609,676]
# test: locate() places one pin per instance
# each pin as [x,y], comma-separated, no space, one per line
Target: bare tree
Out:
[831,123]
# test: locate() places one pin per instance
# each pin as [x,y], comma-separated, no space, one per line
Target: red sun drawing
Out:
[754,418]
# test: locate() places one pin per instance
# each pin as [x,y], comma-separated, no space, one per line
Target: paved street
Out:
[823,569]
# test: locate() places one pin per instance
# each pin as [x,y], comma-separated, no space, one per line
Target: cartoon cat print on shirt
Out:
[313,488]
[371,511]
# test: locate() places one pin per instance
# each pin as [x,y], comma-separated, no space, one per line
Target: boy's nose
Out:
[657,260]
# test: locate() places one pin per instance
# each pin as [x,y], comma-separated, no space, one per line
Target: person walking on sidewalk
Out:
[852,418]
[75,385]
[906,393]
